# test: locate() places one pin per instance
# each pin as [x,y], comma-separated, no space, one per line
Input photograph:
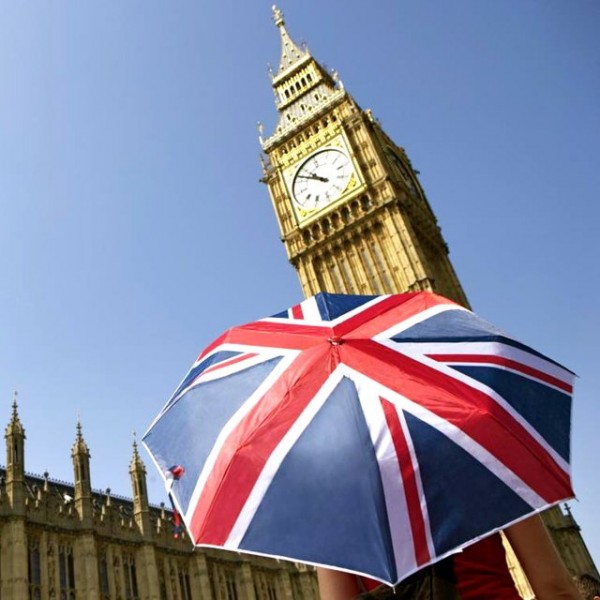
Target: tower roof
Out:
[14,425]
[302,87]
[136,463]
[291,53]
[80,446]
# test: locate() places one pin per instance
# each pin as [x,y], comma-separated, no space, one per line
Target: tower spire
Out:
[302,87]
[15,423]
[81,468]
[141,509]
[291,53]
[15,458]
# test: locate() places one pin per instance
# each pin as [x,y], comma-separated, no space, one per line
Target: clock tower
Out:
[352,214]
[354,218]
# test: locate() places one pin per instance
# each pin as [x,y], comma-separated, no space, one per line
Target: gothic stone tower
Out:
[354,218]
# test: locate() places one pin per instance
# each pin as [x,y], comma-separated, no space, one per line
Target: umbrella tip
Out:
[335,340]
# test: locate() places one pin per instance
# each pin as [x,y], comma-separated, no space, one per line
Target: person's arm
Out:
[336,585]
[541,563]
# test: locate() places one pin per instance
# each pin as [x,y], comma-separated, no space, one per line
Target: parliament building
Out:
[353,219]
[68,541]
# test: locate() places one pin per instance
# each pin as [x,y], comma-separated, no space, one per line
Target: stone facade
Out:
[69,542]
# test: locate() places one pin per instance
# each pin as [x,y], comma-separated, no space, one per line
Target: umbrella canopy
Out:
[372,434]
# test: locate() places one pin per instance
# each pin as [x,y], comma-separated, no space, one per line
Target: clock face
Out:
[321,179]
[405,174]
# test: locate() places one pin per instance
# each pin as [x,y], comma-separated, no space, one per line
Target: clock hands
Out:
[320,180]
[313,176]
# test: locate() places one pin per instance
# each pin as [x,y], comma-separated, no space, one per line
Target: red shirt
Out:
[480,571]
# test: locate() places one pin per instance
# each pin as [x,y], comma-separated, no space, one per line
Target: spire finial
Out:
[15,422]
[261,129]
[136,460]
[80,446]
[79,429]
[277,16]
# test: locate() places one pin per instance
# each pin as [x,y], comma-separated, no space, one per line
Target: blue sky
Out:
[133,228]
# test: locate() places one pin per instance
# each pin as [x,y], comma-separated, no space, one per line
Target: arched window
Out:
[184,583]
[370,269]
[231,584]
[66,571]
[35,572]
[381,265]
[346,273]
[334,273]
[103,576]
[131,586]
[265,584]
[162,584]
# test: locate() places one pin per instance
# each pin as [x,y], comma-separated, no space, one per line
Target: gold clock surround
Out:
[317,168]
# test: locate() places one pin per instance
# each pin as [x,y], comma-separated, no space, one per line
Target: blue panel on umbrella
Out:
[186,433]
[213,359]
[332,306]
[547,409]
[449,326]
[454,483]
[461,326]
[328,488]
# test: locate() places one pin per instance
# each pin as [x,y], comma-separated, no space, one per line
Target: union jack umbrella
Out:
[372,434]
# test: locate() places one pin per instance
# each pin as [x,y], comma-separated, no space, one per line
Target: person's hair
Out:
[588,586]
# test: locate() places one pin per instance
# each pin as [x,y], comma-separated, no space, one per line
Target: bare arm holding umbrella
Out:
[546,573]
